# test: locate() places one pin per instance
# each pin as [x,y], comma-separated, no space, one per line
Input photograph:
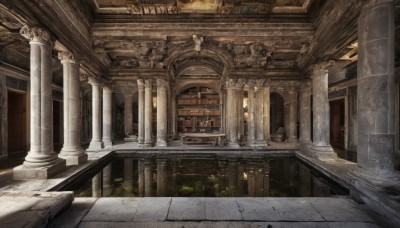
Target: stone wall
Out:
[3,117]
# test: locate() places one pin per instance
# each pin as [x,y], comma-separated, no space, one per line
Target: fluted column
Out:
[128,116]
[250,119]
[293,116]
[162,115]
[41,161]
[267,107]
[240,113]
[321,147]
[141,117]
[231,113]
[107,116]
[96,143]
[258,111]
[148,116]
[305,115]
[376,87]
[72,151]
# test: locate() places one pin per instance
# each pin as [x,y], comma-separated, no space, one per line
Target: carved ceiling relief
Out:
[248,55]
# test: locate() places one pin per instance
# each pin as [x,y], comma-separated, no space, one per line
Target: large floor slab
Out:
[222,212]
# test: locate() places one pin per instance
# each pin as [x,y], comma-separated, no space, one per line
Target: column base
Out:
[233,144]
[76,159]
[322,152]
[250,143]
[293,140]
[147,144]
[107,144]
[161,143]
[305,145]
[21,172]
[140,140]
[260,144]
[130,138]
[95,146]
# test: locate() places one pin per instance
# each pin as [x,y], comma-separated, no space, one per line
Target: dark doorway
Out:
[17,124]
[276,113]
[57,125]
[337,123]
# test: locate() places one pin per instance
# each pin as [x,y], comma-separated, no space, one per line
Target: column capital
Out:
[140,83]
[259,84]
[162,84]
[267,83]
[37,34]
[148,83]
[251,83]
[322,66]
[230,83]
[93,81]
[67,57]
[240,83]
[107,89]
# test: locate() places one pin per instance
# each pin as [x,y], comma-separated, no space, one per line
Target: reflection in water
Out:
[208,177]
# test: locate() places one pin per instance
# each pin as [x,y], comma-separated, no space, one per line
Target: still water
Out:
[208,177]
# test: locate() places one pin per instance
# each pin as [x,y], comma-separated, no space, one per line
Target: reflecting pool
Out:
[207,177]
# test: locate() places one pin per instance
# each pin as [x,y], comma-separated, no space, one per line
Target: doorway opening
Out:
[337,123]
[17,124]
[277,128]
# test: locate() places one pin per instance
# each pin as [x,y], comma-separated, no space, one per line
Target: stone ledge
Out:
[31,208]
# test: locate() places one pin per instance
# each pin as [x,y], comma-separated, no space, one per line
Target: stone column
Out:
[376,87]
[148,113]
[107,116]
[305,115]
[321,147]
[173,112]
[250,119]
[293,116]
[231,113]
[96,143]
[258,112]
[239,95]
[128,175]
[161,177]
[266,114]
[128,117]
[141,117]
[251,190]
[41,161]
[72,151]
[162,114]
[232,176]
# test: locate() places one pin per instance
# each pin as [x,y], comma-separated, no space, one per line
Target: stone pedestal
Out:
[148,113]
[107,116]
[376,87]
[96,143]
[250,109]
[128,116]
[321,147]
[140,139]
[231,113]
[72,151]
[162,115]
[41,161]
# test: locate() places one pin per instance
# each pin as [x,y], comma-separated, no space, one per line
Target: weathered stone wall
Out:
[3,117]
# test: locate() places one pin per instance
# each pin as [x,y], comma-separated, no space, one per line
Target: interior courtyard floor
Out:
[382,195]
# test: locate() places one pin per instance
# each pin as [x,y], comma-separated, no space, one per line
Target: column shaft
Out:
[96,143]
[231,113]
[72,151]
[128,118]
[376,87]
[141,117]
[305,116]
[148,114]
[258,112]
[107,116]
[162,115]
[267,104]
[250,118]
[293,116]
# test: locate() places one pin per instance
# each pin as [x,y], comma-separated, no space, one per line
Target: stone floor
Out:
[216,212]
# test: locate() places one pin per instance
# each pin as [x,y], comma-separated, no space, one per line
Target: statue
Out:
[197,42]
